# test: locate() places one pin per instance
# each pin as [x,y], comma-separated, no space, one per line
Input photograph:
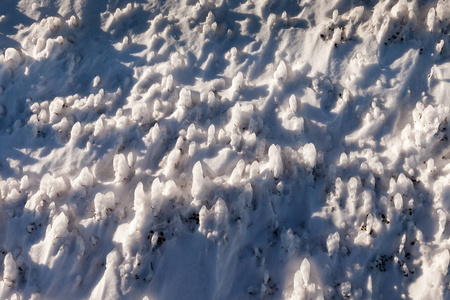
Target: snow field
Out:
[224,149]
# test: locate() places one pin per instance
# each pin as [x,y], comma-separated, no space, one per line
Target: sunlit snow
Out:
[224,149]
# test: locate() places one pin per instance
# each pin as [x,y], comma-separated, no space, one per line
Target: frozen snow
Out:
[220,149]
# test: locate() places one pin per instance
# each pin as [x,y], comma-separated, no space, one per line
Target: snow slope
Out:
[224,149]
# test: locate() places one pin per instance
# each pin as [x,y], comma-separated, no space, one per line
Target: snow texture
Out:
[224,149]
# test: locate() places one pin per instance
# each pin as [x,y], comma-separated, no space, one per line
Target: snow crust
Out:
[222,149]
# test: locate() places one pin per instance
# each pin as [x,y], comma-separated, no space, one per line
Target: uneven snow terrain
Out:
[224,149]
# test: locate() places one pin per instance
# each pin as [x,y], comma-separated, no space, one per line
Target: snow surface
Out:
[224,149]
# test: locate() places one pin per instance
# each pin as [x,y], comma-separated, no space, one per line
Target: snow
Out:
[221,149]
[10,271]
